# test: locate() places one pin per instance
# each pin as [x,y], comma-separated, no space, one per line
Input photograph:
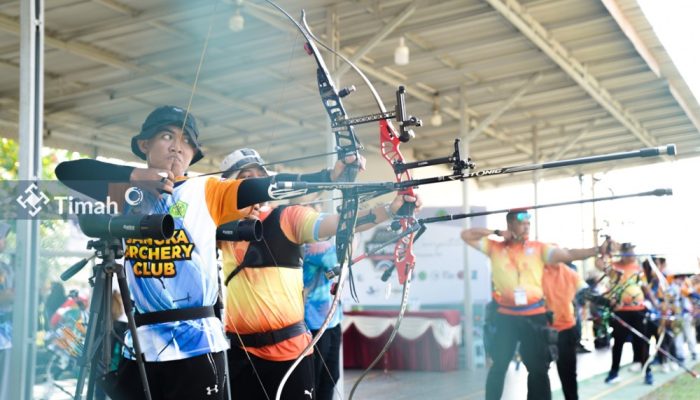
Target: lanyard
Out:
[514,261]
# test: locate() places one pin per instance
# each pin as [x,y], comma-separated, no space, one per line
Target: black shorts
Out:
[201,377]
[260,380]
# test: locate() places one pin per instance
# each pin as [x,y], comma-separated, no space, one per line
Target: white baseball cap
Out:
[242,159]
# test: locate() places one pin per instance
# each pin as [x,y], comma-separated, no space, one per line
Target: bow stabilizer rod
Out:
[669,149]
[379,188]
[452,217]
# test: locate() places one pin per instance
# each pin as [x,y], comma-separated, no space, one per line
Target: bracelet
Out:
[389,213]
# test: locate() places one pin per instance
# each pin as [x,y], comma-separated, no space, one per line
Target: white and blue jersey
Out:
[180,272]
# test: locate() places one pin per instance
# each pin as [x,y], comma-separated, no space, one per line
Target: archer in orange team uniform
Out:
[517,268]
[264,290]
[627,297]
[560,285]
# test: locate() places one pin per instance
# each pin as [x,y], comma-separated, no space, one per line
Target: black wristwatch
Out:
[497,232]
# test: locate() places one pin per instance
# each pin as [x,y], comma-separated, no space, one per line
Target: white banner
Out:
[438,278]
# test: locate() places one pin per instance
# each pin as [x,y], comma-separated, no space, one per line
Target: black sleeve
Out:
[92,177]
[321,176]
[255,190]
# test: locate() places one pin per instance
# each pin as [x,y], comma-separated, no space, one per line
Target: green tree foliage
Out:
[53,233]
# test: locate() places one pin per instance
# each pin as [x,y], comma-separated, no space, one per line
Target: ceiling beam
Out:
[495,114]
[629,30]
[119,7]
[414,92]
[105,26]
[370,44]
[101,56]
[570,143]
[517,15]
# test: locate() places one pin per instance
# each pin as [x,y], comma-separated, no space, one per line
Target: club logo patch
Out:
[178,210]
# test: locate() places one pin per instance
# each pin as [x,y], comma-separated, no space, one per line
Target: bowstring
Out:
[321,275]
[328,370]
[250,360]
[187,113]
[257,376]
[199,65]
[281,98]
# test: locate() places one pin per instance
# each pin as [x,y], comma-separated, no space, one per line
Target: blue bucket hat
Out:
[168,116]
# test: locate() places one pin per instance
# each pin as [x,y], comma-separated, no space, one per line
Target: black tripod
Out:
[100,330]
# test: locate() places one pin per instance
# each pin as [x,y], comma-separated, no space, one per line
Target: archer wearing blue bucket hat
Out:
[163,117]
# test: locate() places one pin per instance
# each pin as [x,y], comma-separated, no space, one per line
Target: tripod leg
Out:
[128,309]
[227,377]
[100,366]
[91,334]
[220,306]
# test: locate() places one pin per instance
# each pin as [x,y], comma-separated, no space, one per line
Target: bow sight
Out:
[399,113]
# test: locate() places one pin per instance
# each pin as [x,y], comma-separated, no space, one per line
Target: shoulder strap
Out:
[233,273]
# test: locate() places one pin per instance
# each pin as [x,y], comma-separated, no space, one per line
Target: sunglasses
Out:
[523,216]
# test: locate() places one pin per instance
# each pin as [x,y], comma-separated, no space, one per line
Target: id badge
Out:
[520,296]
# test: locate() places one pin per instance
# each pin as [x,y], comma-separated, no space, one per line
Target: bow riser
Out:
[404,259]
[346,144]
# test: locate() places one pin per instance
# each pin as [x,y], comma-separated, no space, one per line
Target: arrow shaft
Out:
[452,217]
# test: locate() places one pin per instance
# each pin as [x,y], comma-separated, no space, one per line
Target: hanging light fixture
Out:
[401,53]
[436,118]
[236,22]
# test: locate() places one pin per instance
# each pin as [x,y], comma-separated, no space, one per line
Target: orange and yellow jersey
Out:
[517,265]
[560,285]
[629,285]
[266,299]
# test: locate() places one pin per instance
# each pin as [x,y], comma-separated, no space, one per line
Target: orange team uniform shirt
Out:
[517,265]
[632,297]
[560,284]
[266,299]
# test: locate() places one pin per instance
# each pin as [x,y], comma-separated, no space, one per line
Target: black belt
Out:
[271,337]
[179,314]
[527,307]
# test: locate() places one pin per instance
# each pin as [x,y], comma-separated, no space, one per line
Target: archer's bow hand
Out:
[401,199]
[608,247]
[351,159]
[153,180]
